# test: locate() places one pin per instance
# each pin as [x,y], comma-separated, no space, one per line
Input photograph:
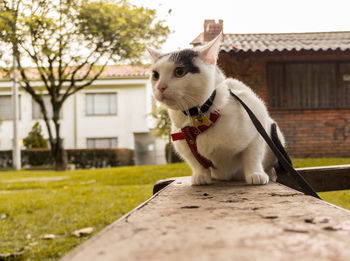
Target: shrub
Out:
[35,138]
[81,158]
[5,159]
[36,157]
[100,158]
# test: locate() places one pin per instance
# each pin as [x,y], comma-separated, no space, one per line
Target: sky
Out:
[186,17]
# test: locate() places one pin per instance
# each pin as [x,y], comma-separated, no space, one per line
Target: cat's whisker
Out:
[188,113]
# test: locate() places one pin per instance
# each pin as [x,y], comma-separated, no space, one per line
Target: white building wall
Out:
[131,117]
[24,124]
[133,109]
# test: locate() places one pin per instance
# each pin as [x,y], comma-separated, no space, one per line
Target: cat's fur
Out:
[233,144]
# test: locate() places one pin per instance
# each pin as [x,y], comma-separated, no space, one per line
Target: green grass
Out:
[312,162]
[36,206]
[37,203]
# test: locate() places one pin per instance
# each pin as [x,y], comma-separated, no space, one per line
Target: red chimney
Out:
[212,29]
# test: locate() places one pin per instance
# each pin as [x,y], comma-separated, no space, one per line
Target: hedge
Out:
[80,158]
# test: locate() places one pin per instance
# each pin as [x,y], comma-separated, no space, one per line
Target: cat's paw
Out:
[201,179]
[257,178]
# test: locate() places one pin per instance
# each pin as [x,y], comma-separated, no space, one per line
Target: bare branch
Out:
[41,69]
[73,89]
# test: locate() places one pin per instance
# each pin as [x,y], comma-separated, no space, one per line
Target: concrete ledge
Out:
[224,221]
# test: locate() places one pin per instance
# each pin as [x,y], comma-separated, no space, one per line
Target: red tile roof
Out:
[111,71]
[125,71]
[284,42]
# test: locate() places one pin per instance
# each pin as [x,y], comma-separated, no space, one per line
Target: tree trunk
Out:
[59,155]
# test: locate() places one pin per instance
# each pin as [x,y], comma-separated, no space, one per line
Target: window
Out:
[36,111]
[101,103]
[308,85]
[102,143]
[6,107]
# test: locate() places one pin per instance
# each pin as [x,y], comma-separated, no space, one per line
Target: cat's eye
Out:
[155,76]
[179,72]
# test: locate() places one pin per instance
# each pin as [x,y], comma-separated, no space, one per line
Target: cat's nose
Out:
[162,87]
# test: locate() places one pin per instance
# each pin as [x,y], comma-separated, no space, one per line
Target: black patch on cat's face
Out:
[185,59]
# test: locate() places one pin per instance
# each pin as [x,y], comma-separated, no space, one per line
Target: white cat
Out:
[185,80]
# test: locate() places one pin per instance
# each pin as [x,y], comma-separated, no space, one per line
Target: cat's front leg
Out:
[200,175]
[252,163]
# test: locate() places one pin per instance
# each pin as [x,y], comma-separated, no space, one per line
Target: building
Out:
[111,113]
[304,79]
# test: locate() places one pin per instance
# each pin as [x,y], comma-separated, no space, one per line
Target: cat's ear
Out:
[209,52]
[154,53]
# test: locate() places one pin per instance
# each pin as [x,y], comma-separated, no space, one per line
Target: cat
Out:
[185,80]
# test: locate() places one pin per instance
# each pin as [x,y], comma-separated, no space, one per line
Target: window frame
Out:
[34,103]
[337,84]
[115,94]
[101,138]
[19,106]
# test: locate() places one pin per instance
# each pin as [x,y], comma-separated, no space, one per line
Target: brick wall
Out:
[315,133]
[309,133]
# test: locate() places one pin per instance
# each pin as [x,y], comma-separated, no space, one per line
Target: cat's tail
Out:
[271,165]
[276,138]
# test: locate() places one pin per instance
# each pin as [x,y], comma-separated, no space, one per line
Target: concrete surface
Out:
[224,221]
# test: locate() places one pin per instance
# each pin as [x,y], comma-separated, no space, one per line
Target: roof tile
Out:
[111,71]
[287,41]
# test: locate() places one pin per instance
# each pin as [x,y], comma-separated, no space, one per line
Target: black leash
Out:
[278,150]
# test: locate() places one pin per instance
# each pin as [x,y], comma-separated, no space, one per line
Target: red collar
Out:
[190,133]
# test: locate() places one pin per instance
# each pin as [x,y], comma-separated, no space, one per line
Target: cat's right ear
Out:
[209,52]
[154,53]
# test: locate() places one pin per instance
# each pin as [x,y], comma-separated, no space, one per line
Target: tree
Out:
[35,138]
[162,129]
[70,42]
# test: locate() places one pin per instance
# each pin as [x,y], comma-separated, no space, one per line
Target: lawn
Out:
[39,210]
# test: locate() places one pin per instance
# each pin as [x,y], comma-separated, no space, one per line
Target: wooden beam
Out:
[224,221]
[327,178]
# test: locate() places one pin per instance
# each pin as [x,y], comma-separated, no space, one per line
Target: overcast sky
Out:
[249,16]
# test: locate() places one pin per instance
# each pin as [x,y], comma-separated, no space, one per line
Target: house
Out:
[304,79]
[111,113]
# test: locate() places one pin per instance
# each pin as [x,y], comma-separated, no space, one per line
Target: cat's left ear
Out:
[209,52]
[154,53]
